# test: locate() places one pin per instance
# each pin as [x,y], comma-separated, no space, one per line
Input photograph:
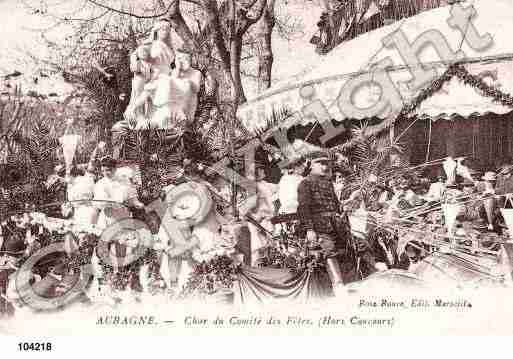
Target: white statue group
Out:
[164,87]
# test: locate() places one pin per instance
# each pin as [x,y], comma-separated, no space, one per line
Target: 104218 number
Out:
[36,347]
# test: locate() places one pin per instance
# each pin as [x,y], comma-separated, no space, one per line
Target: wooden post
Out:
[391,132]
[391,135]
[429,139]
[450,145]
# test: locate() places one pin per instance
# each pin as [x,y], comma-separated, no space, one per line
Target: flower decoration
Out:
[216,274]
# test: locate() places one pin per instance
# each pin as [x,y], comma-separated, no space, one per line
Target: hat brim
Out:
[321,159]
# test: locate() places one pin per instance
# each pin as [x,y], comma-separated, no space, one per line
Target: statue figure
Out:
[141,66]
[165,87]
[174,96]
[187,82]
[162,53]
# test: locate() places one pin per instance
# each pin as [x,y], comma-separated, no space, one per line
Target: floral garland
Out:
[468,79]
[296,262]
[487,90]
[53,225]
[40,231]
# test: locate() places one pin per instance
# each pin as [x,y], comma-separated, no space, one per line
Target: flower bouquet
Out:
[212,279]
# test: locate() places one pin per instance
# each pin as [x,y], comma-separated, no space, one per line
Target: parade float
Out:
[171,165]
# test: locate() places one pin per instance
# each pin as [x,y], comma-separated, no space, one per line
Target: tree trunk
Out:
[180,26]
[235,59]
[264,29]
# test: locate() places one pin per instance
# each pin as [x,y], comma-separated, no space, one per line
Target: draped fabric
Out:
[266,284]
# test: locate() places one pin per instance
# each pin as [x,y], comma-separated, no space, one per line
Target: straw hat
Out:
[108,161]
[489,176]
[318,156]
[506,169]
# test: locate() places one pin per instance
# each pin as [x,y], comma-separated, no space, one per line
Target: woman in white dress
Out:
[107,196]
[80,195]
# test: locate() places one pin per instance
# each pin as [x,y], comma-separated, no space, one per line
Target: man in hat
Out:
[319,211]
[470,206]
[51,285]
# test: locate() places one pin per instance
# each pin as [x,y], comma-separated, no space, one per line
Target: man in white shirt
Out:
[261,208]
[287,187]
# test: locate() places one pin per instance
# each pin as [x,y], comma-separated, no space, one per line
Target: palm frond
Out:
[276,118]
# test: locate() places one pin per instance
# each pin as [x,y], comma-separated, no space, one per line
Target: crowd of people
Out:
[315,205]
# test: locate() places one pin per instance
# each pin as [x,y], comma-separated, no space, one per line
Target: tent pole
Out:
[429,140]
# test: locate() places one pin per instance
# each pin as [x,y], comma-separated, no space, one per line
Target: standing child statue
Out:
[162,49]
[141,66]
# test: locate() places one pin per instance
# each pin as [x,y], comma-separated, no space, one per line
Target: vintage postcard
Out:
[255,167]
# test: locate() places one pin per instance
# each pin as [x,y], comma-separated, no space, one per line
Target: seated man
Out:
[474,212]
[436,190]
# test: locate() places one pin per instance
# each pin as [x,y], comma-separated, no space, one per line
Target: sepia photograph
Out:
[325,167]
